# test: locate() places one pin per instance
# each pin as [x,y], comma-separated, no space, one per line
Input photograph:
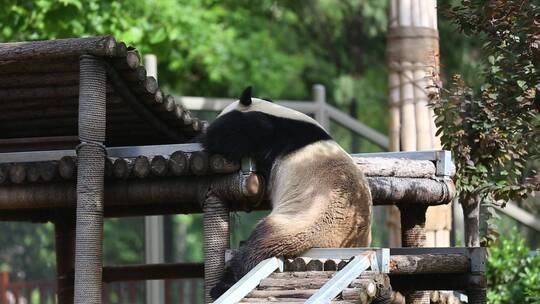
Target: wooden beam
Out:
[98,46]
[152,272]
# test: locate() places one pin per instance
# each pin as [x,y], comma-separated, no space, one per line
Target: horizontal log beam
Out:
[400,190]
[133,196]
[429,263]
[153,272]
[98,46]
[397,167]
[446,281]
[138,197]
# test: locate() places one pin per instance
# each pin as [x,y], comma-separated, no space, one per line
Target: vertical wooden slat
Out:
[64,230]
[4,281]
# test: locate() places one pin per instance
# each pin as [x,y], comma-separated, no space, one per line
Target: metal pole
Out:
[153,225]
[319,96]
[216,225]
[90,175]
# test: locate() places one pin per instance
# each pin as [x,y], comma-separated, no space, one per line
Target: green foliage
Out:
[513,275]
[122,243]
[23,246]
[493,130]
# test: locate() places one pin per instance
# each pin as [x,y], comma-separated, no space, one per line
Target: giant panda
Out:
[319,197]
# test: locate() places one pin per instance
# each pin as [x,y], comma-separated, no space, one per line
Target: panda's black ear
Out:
[245,98]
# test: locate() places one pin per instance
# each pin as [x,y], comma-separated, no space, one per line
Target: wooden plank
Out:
[161,271]
[381,166]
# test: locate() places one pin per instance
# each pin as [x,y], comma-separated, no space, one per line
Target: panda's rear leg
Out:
[266,241]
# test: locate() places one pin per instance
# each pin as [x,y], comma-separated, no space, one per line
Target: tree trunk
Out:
[471,214]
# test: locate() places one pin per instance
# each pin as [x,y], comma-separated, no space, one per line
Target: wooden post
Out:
[90,181]
[216,227]
[413,234]
[319,97]
[355,144]
[412,55]
[64,230]
[4,282]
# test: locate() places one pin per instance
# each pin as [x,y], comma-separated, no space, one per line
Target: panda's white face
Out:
[264,106]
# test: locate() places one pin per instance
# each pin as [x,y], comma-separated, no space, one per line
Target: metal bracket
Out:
[248,166]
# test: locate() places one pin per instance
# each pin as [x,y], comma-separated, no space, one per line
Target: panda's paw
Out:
[227,282]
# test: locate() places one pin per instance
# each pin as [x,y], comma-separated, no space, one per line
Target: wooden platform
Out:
[39,89]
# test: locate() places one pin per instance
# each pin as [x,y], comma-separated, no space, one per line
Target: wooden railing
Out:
[127,292]
[18,292]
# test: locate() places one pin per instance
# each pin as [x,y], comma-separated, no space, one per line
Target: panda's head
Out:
[246,103]
[260,129]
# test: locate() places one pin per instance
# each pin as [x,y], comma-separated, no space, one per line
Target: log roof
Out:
[39,88]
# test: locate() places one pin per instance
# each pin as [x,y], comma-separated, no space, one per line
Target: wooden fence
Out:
[130,292]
